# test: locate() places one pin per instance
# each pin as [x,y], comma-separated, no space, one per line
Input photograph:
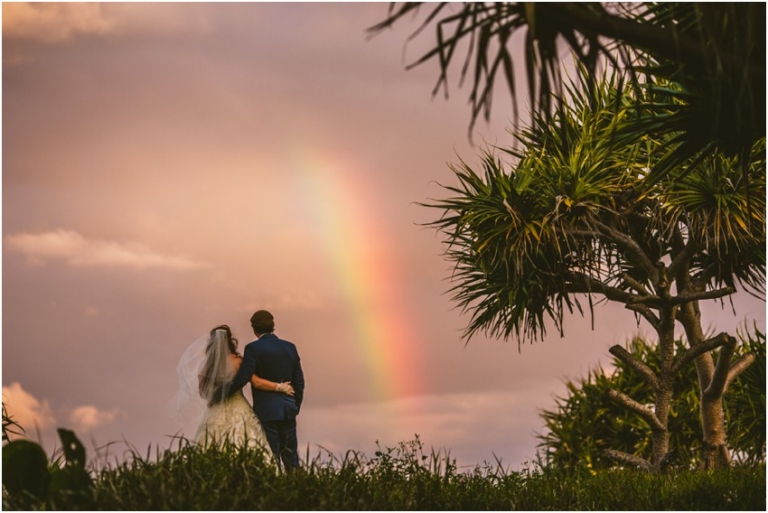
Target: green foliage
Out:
[10,426]
[586,422]
[745,403]
[713,52]
[25,469]
[29,480]
[216,478]
[70,483]
[400,478]
[726,211]
[575,215]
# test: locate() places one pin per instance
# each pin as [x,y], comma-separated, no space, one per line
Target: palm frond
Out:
[527,238]
[715,52]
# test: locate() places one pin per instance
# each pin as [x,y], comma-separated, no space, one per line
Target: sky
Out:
[167,168]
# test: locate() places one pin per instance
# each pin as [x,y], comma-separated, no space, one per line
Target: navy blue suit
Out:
[277,360]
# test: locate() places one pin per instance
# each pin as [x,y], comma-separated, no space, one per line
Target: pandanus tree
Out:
[572,213]
[584,421]
[715,51]
[713,118]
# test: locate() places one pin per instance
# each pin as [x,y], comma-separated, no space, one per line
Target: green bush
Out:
[29,480]
[586,422]
[25,469]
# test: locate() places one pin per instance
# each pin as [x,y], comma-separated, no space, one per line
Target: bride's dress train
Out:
[232,420]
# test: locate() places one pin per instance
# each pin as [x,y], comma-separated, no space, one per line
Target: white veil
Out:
[204,371]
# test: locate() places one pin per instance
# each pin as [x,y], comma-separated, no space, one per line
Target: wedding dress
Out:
[205,369]
[232,420]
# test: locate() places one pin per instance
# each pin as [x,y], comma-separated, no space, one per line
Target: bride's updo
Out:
[231,341]
[214,373]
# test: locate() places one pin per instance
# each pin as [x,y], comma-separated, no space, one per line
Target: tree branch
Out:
[699,349]
[687,296]
[654,301]
[633,247]
[703,278]
[645,371]
[625,457]
[720,376]
[585,233]
[646,413]
[639,287]
[683,257]
[741,364]
[646,312]
[585,284]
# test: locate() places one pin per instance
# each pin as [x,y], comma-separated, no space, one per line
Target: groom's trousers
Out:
[281,435]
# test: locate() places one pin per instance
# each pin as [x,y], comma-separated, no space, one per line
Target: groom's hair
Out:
[262,322]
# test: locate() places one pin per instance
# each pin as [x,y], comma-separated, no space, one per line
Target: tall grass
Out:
[400,478]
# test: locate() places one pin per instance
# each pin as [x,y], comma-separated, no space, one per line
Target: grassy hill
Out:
[400,478]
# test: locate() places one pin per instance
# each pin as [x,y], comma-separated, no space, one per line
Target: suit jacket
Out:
[277,360]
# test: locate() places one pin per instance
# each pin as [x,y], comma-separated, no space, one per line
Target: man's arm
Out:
[271,386]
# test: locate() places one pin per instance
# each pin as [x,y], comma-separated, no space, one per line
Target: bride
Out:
[205,370]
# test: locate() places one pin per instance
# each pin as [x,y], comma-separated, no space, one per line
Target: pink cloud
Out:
[26,409]
[89,417]
[76,250]
[52,22]
[57,22]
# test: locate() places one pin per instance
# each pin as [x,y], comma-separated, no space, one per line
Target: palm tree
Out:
[714,51]
[727,232]
[745,403]
[585,422]
[577,216]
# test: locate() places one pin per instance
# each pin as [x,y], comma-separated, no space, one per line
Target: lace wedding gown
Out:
[204,366]
[232,420]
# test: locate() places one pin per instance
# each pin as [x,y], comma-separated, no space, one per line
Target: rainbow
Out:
[358,255]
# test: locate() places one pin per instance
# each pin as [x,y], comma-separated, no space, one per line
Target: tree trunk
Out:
[714,439]
[715,444]
[666,333]
[660,437]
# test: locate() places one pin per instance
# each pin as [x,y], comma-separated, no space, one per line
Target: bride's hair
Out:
[231,341]
[212,386]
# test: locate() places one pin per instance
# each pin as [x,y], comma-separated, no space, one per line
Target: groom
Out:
[272,358]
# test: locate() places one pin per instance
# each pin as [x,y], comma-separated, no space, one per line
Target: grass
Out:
[400,478]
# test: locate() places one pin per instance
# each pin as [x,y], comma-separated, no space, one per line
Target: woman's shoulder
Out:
[235,360]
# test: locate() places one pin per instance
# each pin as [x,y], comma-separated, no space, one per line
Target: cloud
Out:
[27,410]
[89,417]
[52,22]
[74,249]
[57,22]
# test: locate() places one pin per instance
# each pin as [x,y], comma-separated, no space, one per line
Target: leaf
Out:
[70,479]
[74,451]
[25,468]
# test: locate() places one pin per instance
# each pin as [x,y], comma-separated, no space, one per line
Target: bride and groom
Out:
[214,369]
